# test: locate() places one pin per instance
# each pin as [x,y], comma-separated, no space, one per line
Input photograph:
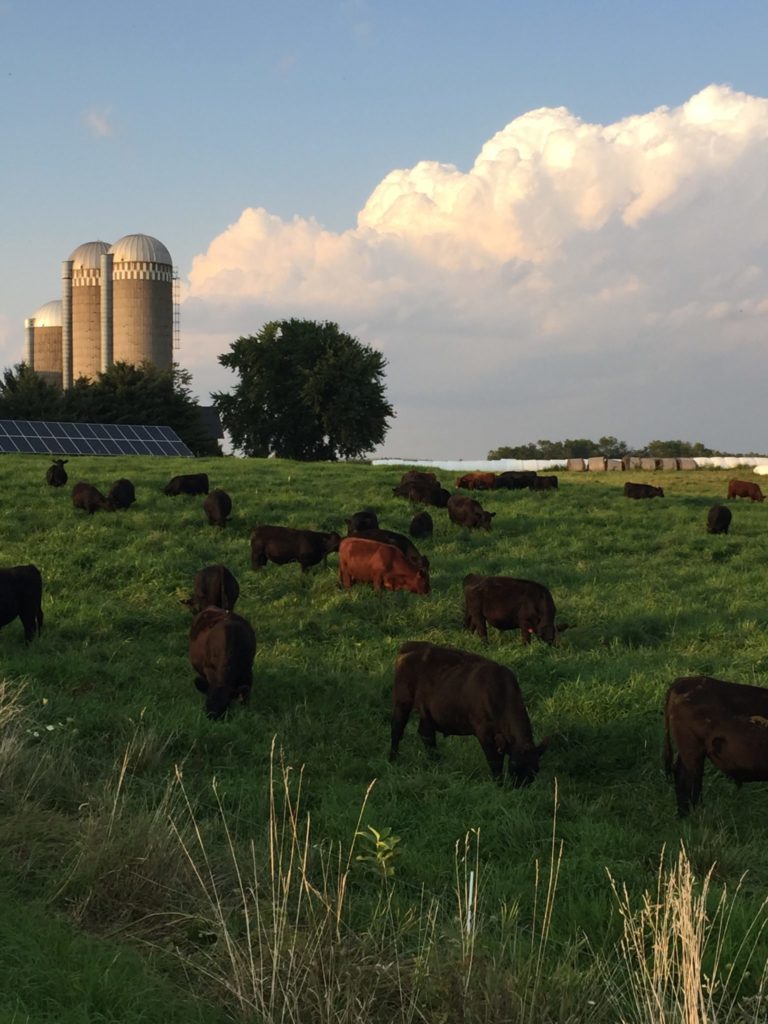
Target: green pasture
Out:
[108,714]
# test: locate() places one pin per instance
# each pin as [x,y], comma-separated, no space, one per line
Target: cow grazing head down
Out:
[222,646]
[21,595]
[56,475]
[459,693]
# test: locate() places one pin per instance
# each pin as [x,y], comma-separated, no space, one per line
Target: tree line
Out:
[610,447]
[143,394]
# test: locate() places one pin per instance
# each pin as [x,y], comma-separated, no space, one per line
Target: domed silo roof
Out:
[48,315]
[142,249]
[87,255]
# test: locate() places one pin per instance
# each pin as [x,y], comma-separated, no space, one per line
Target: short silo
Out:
[142,301]
[46,341]
[86,309]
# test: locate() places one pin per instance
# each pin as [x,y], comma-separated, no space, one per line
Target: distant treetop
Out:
[610,447]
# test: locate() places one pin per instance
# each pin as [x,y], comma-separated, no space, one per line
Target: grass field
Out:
[130,880]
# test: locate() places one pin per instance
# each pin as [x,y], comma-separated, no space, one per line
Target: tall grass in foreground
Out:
[672,969]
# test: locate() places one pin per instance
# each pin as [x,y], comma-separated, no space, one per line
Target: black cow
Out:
[214,585]
[89,498]
[421,525]
[222,646]
[718,519]
[122,494]
[515,480]
[56,475]
[544,483]
[642,491]
[400,541]
[283,544]
[462,694]
[365,520]
[468,512]
[711,718]
[509,603]
[21,594]
[218,507]
[187,483]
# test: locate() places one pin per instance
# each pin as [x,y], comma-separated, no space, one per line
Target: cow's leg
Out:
[688,783]
[258,559]
[201,683]
[427,733]
[525,632]
[400,714]
[495,759]
[39,618]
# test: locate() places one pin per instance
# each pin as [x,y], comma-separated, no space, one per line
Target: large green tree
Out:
[307,390]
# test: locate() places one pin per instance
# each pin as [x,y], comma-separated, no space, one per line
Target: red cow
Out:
[383,565]
[744,489]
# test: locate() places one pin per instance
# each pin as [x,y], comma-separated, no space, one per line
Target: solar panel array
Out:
[50,438]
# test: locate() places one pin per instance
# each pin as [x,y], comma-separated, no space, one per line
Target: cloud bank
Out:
[578,279]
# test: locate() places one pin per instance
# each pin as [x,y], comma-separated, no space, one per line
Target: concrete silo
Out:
[81,312]
[142,301]
[42,349]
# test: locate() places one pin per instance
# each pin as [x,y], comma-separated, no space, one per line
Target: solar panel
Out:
[49,438]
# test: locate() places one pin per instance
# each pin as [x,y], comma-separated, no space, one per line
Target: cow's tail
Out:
[669,756]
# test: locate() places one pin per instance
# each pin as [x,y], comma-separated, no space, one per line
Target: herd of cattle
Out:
[453,692]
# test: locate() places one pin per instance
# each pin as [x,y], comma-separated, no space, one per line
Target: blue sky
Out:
[177,119]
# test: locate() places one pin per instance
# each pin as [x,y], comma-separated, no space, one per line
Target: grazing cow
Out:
[515,480]
[468,512]
[400,541]
[365,520]
[283,544]
[222,646]
[21,594]
[461,694]
[711,718]
[744,489]
[214,585]
[642,491]
[218,507]
[187,483]
[509,603]
[56,475]
[425,492]
[415,475]
[122,494]
[89,498]
[544,483]
[385,566]
[718,519]
[421,525]
[477,481]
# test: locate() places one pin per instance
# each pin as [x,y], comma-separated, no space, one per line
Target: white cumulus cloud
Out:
[578,279]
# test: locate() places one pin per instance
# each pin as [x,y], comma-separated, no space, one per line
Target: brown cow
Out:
[21,594]
[383,565]
[744,489]
[400,541]
[711,718]
[214,585]
[425,492]
[459,693]
[509,603]
[468,512]
[222,646]
[477,481]
[187,483]
[89,498]
[283,544]
[218,507]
